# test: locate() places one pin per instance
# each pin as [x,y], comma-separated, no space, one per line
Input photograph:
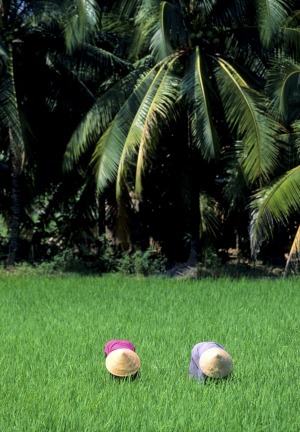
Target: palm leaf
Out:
[283,85]
[274,204]
[98,118]
[291,33]
[170,33]
[10,115]
[209,220]
[145,27]
[94,61]
[127,8]
[136,125]
[245,112]
[296,136]
[115,24]
[198,93]
[79,19]
[205,6]
[294,252]
[271,15]
[82,23]
[109,148]
[158,107]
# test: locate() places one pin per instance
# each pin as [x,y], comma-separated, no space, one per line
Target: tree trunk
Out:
[195,224]
[15,219]
[17,150]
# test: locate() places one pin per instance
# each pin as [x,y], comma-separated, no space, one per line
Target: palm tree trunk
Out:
[195,224]
[17,151]
[194,201]
[15,219]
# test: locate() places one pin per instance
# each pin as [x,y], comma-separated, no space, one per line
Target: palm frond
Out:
[145,27]
[294,252]
[98,118]
[291,34]
[153,99]
[112,22]
[81,23]
[127,8]
[107,154]
[93,60]
[198,93]
[291,37]
[4,55]
[9,116]
[78,20]
[205,6]
[245,111]
[296,137]
[170,34]
[209,220]
[283,85]
[9,110]
[271,15]
[158,108]
[274,204]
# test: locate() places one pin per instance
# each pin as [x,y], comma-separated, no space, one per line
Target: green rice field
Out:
[53,376]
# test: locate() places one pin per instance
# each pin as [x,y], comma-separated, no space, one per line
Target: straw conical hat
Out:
[216,363]
[122,362]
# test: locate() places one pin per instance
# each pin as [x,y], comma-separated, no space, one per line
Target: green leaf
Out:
[98,118]
[136,128]
[283,86]
[170,34]
[245,111]
[198,94]
[209,220]
[274,204]
[271,15]
[81,24]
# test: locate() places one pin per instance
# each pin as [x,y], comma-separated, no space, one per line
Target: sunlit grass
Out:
[53,375]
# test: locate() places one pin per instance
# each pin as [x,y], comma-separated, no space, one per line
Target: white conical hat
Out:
[122,362]
[216,363]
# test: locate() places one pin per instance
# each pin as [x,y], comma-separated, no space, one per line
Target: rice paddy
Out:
[53,376]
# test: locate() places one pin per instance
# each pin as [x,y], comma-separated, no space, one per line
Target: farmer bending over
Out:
[121,359]
[209,359]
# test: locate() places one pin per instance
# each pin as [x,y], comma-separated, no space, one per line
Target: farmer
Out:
[121,359]
[209,359]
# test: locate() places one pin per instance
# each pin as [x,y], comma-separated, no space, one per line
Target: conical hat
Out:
[122,362]
[216,363]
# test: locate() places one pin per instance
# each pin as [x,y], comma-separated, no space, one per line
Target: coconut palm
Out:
[277,204]
[208,72]
[58,39]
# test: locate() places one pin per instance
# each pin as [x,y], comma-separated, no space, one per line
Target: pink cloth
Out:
[114,344]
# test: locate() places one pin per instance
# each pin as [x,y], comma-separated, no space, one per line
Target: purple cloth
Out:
[114,344]
[195,370]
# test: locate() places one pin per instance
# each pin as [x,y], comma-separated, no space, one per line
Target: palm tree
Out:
[76,22]
[208,72]
[278,203]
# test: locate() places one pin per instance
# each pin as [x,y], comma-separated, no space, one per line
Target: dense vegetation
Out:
[164,127]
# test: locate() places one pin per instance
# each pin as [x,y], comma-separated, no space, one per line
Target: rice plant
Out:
[53,376]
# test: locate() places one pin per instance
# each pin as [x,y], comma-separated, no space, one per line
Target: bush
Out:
[143,263]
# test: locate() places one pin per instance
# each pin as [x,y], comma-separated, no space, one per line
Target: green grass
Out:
[52,366]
